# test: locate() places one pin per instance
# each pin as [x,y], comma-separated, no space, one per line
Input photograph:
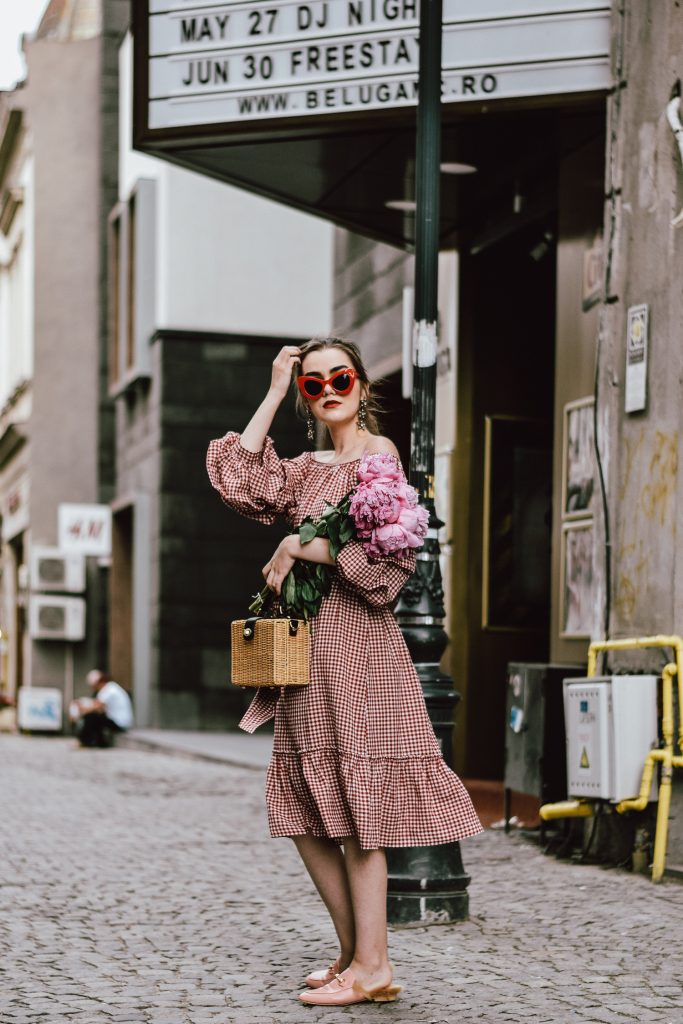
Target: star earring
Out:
[361,422]
[310,427]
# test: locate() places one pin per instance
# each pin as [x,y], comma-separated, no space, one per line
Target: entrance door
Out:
[18,638]
[121,599]
[395,415]
[502,538]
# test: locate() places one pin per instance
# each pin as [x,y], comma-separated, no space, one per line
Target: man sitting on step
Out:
[98,718]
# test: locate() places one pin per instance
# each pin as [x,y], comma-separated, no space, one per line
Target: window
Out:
[130,291]
[132,274]
[114,291]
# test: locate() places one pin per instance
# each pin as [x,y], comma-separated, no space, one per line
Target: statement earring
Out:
[362,414]
[310,426]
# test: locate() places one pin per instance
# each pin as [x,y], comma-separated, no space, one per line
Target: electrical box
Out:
[535,759]
[611,724]
[39,709]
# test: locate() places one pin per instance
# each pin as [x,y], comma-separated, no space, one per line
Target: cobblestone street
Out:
[142,888]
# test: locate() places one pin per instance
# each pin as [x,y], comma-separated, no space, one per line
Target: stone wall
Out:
[645,484]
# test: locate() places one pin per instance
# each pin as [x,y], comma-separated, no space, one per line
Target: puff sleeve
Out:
[258,485]
[378,580]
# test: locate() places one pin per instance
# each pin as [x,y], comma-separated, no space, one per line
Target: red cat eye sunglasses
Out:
[341,382]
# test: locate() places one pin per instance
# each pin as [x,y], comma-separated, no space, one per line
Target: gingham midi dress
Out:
[354,752]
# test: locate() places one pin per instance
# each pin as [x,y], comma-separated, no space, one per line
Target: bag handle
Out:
[249,628]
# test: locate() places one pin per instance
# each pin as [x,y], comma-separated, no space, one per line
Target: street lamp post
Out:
[427,884]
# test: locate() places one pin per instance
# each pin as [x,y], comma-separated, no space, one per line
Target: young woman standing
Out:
[356,766]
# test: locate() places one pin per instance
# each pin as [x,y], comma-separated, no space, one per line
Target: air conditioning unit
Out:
[611,726]
[56,618]
[54,570]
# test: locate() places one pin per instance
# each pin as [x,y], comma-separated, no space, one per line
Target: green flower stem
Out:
[306,583]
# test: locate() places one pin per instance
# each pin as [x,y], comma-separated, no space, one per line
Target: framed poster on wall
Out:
[517,524]
[576,580]
[578,459]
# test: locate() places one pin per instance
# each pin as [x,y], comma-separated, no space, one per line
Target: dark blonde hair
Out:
[351,350]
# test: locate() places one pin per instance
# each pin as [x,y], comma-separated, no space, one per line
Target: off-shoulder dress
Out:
[354,752]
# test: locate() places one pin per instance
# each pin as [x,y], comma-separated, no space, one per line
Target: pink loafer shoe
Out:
[344,990]
[316,979]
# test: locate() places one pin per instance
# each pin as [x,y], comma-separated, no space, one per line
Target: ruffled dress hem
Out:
[383,801]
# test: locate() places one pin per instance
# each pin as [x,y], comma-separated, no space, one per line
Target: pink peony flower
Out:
[373,505]
[380,467]
[385,508]
[415,522]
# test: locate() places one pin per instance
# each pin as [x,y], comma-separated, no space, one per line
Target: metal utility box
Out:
[535,761]
[611,726]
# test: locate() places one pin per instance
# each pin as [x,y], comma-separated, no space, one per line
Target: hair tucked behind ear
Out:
[351,350]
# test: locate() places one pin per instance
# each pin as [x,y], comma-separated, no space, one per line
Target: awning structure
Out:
[314,104]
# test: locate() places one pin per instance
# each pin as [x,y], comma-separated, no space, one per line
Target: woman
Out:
[355,760]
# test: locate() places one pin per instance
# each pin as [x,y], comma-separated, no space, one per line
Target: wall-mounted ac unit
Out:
[54,570]
[56,618]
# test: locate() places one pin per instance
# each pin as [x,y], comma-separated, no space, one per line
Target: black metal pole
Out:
[427,884]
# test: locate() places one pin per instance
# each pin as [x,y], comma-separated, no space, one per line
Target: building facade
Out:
[58,169]
[207,282]
[557,470]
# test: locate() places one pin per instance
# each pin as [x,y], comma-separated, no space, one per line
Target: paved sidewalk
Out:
[140,888]
[233,748]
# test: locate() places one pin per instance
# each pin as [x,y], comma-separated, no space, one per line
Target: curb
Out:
[135,743]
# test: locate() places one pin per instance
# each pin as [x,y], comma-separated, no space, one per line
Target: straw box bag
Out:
[269,652]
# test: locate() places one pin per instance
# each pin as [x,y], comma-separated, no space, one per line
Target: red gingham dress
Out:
[354,752]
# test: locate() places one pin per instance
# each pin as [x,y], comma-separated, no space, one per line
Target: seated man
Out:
[107,712]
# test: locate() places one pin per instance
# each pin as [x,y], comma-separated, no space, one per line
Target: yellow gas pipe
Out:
[669,760]
[566,809]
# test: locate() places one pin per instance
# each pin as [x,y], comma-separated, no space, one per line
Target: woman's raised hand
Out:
[283,364]
[254,434]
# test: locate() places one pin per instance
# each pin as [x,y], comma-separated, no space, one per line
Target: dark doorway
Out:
[121,599]
[395,414]
[18,637]
[502,539]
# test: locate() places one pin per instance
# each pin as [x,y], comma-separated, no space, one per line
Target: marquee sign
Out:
[242,65]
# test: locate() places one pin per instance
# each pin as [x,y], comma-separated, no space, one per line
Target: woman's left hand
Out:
[277,568]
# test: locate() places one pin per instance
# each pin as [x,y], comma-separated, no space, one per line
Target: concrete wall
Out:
[63,102]
[646,486]
[645,482]
[138,444]
[369,278]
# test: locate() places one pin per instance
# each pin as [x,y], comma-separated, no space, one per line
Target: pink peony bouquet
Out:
[385,510]
[382,512]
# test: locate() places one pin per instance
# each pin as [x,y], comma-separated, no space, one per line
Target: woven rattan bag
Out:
[269,652]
